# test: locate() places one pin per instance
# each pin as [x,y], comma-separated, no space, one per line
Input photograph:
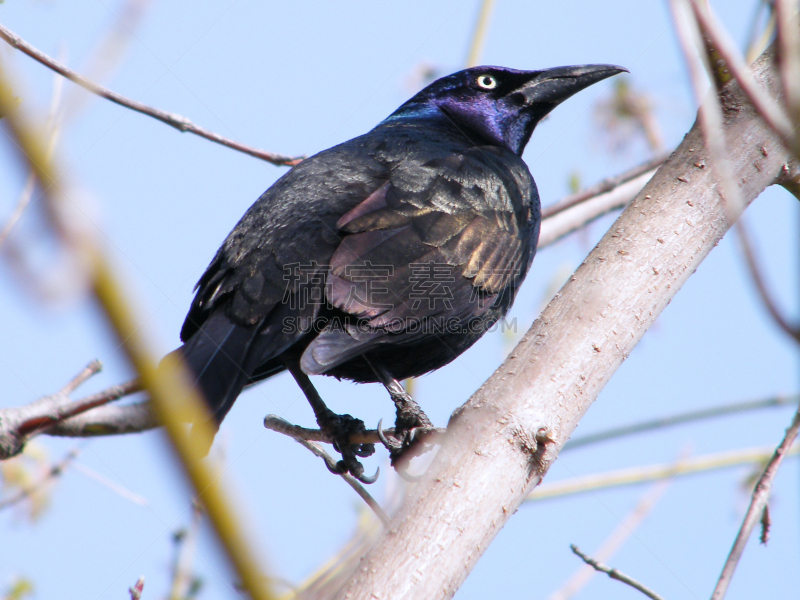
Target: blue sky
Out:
[297,78]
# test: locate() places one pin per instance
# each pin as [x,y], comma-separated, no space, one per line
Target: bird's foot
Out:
[340,428]
[408,438]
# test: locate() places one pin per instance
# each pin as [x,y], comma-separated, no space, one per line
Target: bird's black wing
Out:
[446,240]
[265,285]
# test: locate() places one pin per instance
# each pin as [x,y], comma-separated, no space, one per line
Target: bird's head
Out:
[501,106]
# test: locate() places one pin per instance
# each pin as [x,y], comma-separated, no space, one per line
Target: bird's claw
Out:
[365,479]
[341,428]
[391,445]
[403,445]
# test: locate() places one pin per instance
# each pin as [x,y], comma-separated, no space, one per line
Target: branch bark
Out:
[503,440]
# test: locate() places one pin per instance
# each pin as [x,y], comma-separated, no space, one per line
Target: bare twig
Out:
[758,40]
[688,417]
[55,471]
[567,220]
[109,51]
[756,508]
[635,475]
[304,437]
[479,35]
[602,187]
[757,275]
[767,108]
[136,590]
[614,541]
[107,420]
[179,122]
[710,109]
[369,436]
[788,29]
[20,424]
[121,491]
[615,574]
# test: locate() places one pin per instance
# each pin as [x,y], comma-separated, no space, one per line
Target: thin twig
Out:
[710,111]
[757,504]
[115,392]
[479,35]
[635,475]
[756,36]
[614,542]
[303,436]
[757,275]
[788,29]
[17,424]
[93,368]
[687,417]
[768,109]
[179,122]
[48,414]
[615,574]
[107,420]
[368,436]
[55,471]
[601,187]
[107,55]
[119,490]
[566,221]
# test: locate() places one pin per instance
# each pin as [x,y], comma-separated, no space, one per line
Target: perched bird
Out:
[384,257]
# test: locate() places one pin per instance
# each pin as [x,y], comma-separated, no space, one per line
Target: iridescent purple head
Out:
[501,106]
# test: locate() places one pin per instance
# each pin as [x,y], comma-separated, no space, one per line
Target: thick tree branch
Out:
[501,443]
[179,122]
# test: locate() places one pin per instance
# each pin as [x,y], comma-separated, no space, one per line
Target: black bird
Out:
[384,257]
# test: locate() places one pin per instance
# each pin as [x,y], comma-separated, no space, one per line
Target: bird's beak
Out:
[553,86]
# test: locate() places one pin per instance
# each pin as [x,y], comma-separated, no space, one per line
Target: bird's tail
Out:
[222,357]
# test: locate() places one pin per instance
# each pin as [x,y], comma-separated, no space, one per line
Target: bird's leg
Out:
[338,427]
[410,417]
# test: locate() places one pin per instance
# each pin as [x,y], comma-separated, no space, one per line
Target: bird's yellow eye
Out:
[487,82]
